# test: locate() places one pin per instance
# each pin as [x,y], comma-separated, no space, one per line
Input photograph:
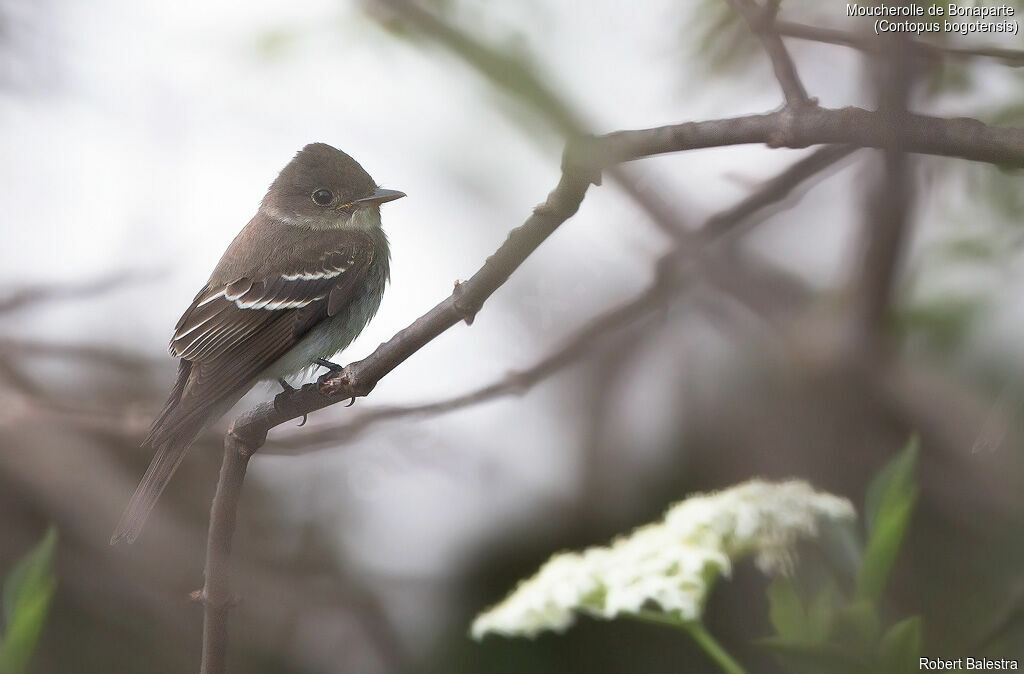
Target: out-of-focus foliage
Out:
[829,631]
[887,509]
[720,39]
[722,43]
[27,593]
[506,66]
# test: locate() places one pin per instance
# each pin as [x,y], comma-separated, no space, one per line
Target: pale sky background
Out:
[142,136]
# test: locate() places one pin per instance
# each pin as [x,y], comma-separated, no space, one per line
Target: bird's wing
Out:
[233,331]
[225,316]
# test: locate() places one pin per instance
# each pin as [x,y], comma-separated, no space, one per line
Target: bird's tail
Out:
[166,460]
[171,435]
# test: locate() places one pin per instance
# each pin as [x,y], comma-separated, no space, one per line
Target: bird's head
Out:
[324,188]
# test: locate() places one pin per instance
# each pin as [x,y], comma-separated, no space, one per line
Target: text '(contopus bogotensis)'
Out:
[297,284]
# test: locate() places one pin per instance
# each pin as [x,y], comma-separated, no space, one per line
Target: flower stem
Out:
[714,649]
[697,631]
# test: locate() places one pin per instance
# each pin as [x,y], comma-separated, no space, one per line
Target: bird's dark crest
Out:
[319,164]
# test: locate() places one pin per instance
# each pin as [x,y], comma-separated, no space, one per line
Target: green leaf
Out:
[901,647]
[941,323]
[888,507]
[857,625]
[26,601]
[897,477]
[786,610]
[884,546]
[821,613]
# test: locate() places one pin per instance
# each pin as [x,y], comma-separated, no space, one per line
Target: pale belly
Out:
[328,338]
[323,341]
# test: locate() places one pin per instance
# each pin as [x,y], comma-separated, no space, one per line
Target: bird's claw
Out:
[333,367]
[351,401]
[305,417]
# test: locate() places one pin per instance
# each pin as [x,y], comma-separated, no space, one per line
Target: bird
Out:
[296,286]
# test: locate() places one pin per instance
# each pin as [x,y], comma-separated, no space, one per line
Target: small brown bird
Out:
[297,285]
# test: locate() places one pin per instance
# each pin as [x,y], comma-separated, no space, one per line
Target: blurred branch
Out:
[762,22]
[886,207]
[504,70]
[811,125]
[100,356]
[586,338]
[774,190]
[32,295]
[871,44]
[512,74]
[216,593]
[28,401]
[517,383]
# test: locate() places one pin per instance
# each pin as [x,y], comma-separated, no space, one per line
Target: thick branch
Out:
[950,137]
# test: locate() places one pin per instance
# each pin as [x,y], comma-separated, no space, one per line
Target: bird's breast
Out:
[334,333]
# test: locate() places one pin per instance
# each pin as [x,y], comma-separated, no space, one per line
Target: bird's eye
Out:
[322,197]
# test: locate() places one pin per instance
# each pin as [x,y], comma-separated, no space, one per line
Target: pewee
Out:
[296,286]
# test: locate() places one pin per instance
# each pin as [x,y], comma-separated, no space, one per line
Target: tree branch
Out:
[216,593]
[762,23]
[29,296]
[961,137]
[886,209]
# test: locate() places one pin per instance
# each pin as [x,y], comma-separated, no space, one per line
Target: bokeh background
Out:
[138,138]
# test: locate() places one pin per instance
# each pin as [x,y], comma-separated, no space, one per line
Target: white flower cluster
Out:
[669,565]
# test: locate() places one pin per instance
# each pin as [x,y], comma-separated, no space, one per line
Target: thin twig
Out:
[762,23]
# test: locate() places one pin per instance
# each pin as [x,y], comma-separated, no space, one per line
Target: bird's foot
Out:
[333,367]
[285,389]
[334,370]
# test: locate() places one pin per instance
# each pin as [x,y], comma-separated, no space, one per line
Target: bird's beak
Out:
[380,196]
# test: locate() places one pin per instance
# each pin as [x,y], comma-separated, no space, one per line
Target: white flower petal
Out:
[669,565]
